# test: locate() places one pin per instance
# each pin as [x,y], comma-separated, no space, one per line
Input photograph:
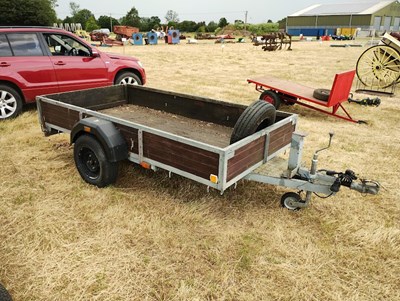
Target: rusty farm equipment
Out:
[378,67]
[124,31]
[274,41]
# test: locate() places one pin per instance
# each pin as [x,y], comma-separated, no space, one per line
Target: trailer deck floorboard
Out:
[206,132]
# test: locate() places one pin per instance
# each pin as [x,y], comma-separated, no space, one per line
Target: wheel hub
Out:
[92,163]
[7,104]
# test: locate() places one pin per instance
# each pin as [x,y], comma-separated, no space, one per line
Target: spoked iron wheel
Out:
[379,67]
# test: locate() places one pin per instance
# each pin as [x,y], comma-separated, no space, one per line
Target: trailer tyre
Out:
[4,294]
[10,102]
[128,78]
[288,199]
[257,116]
[271,97]
[91,162]
[322,94]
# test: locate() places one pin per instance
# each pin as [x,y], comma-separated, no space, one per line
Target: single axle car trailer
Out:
[212,142]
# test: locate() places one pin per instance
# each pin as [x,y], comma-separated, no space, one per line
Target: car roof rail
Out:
[20,26]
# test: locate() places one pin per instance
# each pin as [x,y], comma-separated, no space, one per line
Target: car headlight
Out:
[140,64]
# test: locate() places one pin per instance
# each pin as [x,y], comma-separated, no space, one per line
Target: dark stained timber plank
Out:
[200,171]
[246,157]
[59,116]
[179,155]
[253,152]
[193,107]
[92,97]
[156,141]
[280,137]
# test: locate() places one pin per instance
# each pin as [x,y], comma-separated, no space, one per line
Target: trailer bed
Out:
[183,134]
[206,132]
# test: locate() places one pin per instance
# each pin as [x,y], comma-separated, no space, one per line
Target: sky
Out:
[258,11]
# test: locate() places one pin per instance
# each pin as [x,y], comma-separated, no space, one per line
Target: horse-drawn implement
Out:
[274,41]
[378,67]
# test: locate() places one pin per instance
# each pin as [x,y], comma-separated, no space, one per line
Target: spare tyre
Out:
[257,116]
[322,94]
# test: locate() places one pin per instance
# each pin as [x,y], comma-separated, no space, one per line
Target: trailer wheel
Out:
[271,97]
[128,78]
[287,201]
[91,162]
[257,116]
[322,94]
[10,102]
[4,294]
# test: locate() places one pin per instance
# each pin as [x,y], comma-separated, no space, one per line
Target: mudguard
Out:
[106,133]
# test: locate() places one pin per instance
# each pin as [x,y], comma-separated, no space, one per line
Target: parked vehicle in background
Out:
[44,60]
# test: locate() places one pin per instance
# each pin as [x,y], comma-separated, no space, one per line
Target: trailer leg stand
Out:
[293,201]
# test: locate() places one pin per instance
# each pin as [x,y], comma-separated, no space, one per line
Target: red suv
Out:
[42,60]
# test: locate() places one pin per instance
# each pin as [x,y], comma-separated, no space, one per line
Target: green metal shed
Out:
[370,18]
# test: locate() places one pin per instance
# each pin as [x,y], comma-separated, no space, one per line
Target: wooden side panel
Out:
[185,157]
[93,98]
[193,107]
[131,137]
[280,137]
[60,116]
[252,153]
[245,157]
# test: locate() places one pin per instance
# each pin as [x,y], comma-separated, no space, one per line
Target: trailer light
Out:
[145,165]
[87,129]
[214,178]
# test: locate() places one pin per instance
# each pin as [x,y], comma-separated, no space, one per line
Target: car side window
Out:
[65,45]
[5,49]
[25,44]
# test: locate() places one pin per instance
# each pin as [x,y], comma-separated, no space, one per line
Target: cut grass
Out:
[153,238]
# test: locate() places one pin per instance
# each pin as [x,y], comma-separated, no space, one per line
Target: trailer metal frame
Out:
[244,159]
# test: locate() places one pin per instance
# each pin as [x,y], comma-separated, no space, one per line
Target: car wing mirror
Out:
[95,53]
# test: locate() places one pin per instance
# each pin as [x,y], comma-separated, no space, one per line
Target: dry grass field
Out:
[153,238]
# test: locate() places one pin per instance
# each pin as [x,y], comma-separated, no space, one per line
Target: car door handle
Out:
[4,64]
[60,63]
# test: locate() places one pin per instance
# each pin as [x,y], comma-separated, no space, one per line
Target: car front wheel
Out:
[128,78]
[10,102]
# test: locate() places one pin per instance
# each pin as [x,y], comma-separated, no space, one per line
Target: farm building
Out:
[368,18]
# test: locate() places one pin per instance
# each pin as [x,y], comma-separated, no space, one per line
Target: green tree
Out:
[147,24]
[282,23]
[201,29]
[82,16]
[172,24]
[263,28]
[106,21]
[172,16]
[91,24]
[187,26]
[68,19]
[222,23]
[132,18]
[212,26]
[27,12]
